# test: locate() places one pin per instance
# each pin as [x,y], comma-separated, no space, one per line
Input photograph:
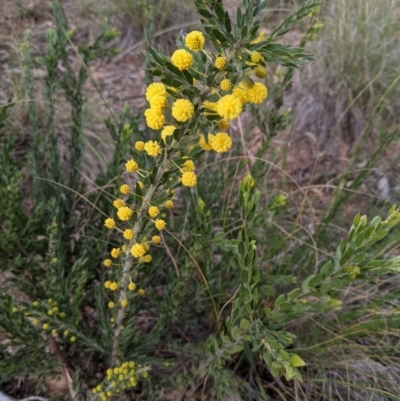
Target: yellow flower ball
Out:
[131,166]
[188,165]
[107,284]
[124,189]
[139,146]
[155,239]
[221,142]
[111,304]
[226,84]
[155,89]
[137,250]
[113,286]
[73,339]
[229,107]
[241,92]
[158,103]
[147,258]
[118,203]
[154,119]
[189,179]
[152,148]
[195,41]
[131,286]
[203,144]
[258,93]
[167,131]
[107,262]
[160,224]
[115,252]
[182,59]
[260,72]
[182,110]
[256,57]
[223,124]
[128,234]
[153,211]
[169,204]
[109,223]
[124,303]
[221,63]
[141,292]
[124,213]
[45,326]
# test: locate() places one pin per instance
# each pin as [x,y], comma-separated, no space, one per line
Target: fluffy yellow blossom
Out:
[152,148]
[188,165]
[260,72]
[195,41]
[203,144]
[131,286]
[113,286]
[153,211]
[45,326]
[107,284]
[139,146]
[147,259]
[119,203]
[124,303]
[223,124]
[154,119]
[160,224]
[155,239]
[115,252]
[158,103]
[155,89]
[256,57]
[109,223]
[167,131]
[182,59]
[221,63]
[128,234]
[182,110]
[137,250]
[107,262]
[211,105]
[229,107]
[221,142]
[141,292]
[258,93]
[124,213]
[226,84]
[189,179]
[111,304]
[131,166]
[124,189]
[169,204]
[241,92]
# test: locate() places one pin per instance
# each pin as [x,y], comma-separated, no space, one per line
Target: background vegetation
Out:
[323,148]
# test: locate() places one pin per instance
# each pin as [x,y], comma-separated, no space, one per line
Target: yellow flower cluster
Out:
[225,85]
[109,223]
[260,72]
[139,146]
[221,63]
[153,211]
[160,224]
[256,57]
[169,204]
[154,119]
[221,142]
[156,239]
[124,189]
[137,250]
[203,144]
[189,179]
[118,203]
[182,110]
[223,124]
[182,59]
[229,107]
[156,95]
[128,234]
[124,213]
[195,41]
[152,148]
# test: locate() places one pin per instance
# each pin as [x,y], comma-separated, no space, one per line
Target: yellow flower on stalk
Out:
[131,286]
[223,124]
[152,148]
[124,303]
[182,59]
[221,142]
[107,284]
[167,131]
[139,146]
[124,213]
[118,203]
[221,63]
[141,292]
[124,189]
[113,286]
[189,179]
[111,304]
[154,119]
[158,103]
[260,72]
[256,57]
[153,211]
[203,144]
[155,239]
[195,41]
[131,166]
[226,85]
[155,89]
[115,252]
[160,224]
[229,107]
[109,223]
[107,262]
[137,250]
[258,93]
[128,234]
[182,110]
[188,165]
[169,204]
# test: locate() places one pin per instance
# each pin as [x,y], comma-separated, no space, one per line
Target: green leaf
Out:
[296,361]
[279,300]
